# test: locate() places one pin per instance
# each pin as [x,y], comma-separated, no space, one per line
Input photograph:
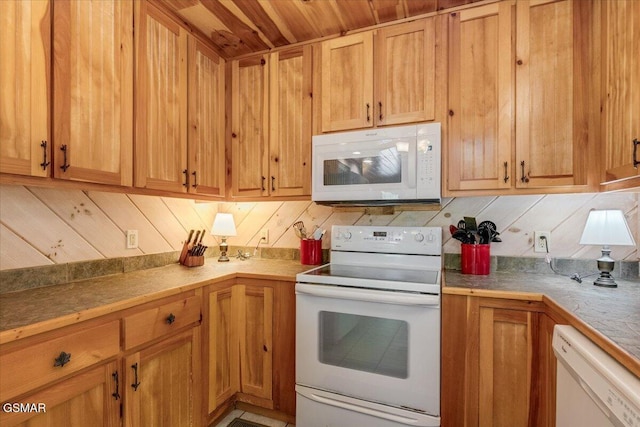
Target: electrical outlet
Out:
[264,236]
[132,239]
[541,244]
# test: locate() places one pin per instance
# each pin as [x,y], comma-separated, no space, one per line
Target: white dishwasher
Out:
[593,389]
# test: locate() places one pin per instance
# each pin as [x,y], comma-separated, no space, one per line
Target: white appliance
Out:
[368,330]
[593,389]
[378,166]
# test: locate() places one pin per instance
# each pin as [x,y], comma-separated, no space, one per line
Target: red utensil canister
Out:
[475,259]
[310,252]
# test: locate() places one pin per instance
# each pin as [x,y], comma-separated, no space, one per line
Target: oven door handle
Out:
[369,295]
[349,406]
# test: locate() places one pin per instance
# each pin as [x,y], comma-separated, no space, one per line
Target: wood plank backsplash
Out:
[42,226]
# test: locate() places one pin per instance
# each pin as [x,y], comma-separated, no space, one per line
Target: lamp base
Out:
[223,251]
[605,265]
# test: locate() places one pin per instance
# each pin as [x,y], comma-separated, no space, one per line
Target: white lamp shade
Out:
[607,227]
[223,225]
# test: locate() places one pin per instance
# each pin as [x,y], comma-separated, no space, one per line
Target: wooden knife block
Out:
[188,260]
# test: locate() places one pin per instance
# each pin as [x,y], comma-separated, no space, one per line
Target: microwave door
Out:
[370,170]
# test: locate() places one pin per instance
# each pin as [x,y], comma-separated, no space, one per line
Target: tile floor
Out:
[251,417]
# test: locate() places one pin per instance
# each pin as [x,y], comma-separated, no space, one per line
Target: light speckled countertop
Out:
[614,313]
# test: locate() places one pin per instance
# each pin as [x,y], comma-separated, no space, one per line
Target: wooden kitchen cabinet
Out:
[378,78]
[161,101]
[206,158]
[498,367]
[25,84]
[523,115]
[271,124]
[91,398]
[93,91]
[621,94]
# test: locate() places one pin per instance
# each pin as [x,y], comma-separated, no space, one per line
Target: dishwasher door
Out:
[593,389]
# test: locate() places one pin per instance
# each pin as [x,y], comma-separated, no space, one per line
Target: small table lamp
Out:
[606,228]
[224,227]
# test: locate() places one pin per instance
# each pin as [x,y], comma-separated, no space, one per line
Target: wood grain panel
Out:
[184,211]
[16,253]
[206,120]
[347,82]
[621,98]
[249,122]
[480,97]
[49,234]
[157,212]
[161,110]
[290,122]
[93,91]
[25,49]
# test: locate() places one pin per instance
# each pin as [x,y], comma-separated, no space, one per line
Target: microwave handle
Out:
[368,295]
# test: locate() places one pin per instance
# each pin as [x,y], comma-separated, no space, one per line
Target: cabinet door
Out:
[622,88]
[91,398]
[161,101]
[555,81]
[505,358]
[347,82]
[224,363]
[249,124]
[256,334]
[405,73]
[290,122]
[25,53]
[480,97]
[159,383]
[206,120]
[93,91]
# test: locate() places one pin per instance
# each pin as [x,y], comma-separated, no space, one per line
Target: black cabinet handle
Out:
[635,154]
[523,177]
[195,179]
[506,172]
[62,359]
[171,318]
[263,178]
[44,163]
[116,394]
[65,165]
[273,183]
[368,115]
[380,107]
[186,178]
[136,383]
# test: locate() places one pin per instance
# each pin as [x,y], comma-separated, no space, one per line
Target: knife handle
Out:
[190,236]
[195,240]
[202,235]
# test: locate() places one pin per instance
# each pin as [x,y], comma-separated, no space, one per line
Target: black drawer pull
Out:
[62,359]
[65,165]
[136,383]
[44,163]
[116,394]
[171,318]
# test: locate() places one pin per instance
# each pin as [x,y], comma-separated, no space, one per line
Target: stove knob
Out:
[419,237]
[346,235]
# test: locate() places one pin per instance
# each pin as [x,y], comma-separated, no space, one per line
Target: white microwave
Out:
[382,166]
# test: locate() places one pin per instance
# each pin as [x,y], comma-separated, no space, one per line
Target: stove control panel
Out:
[387,239]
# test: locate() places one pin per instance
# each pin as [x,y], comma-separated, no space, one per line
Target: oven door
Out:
[366,170]
[379,346]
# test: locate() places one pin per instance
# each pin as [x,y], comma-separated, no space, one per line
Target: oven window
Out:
[383,168]
[364,343]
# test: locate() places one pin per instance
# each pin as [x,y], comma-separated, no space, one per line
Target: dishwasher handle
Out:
[369,295]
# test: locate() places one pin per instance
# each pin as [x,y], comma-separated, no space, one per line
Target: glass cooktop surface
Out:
[375,273]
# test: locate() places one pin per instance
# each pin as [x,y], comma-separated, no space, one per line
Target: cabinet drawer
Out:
[159,321]
[36,365]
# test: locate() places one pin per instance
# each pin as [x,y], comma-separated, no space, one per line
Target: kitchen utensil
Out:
[317,234]
[452,229]
[461,224]
[470,223]
[299,225]
[460,235]
[185,247]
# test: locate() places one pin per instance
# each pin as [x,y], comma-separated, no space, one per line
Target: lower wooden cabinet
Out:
[159,383]
[91,398]
[250,358]
[499,368]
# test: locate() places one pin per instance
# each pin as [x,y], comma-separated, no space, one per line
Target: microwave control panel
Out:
[387,239]
[429,161]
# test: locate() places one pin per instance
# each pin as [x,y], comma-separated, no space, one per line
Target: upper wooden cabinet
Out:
[161,101]
[206,120]
[621,91]
[271,124]
[523,115]
[382,79]
[25,53]
[93,91]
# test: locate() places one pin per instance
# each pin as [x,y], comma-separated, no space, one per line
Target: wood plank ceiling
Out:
[240,27]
